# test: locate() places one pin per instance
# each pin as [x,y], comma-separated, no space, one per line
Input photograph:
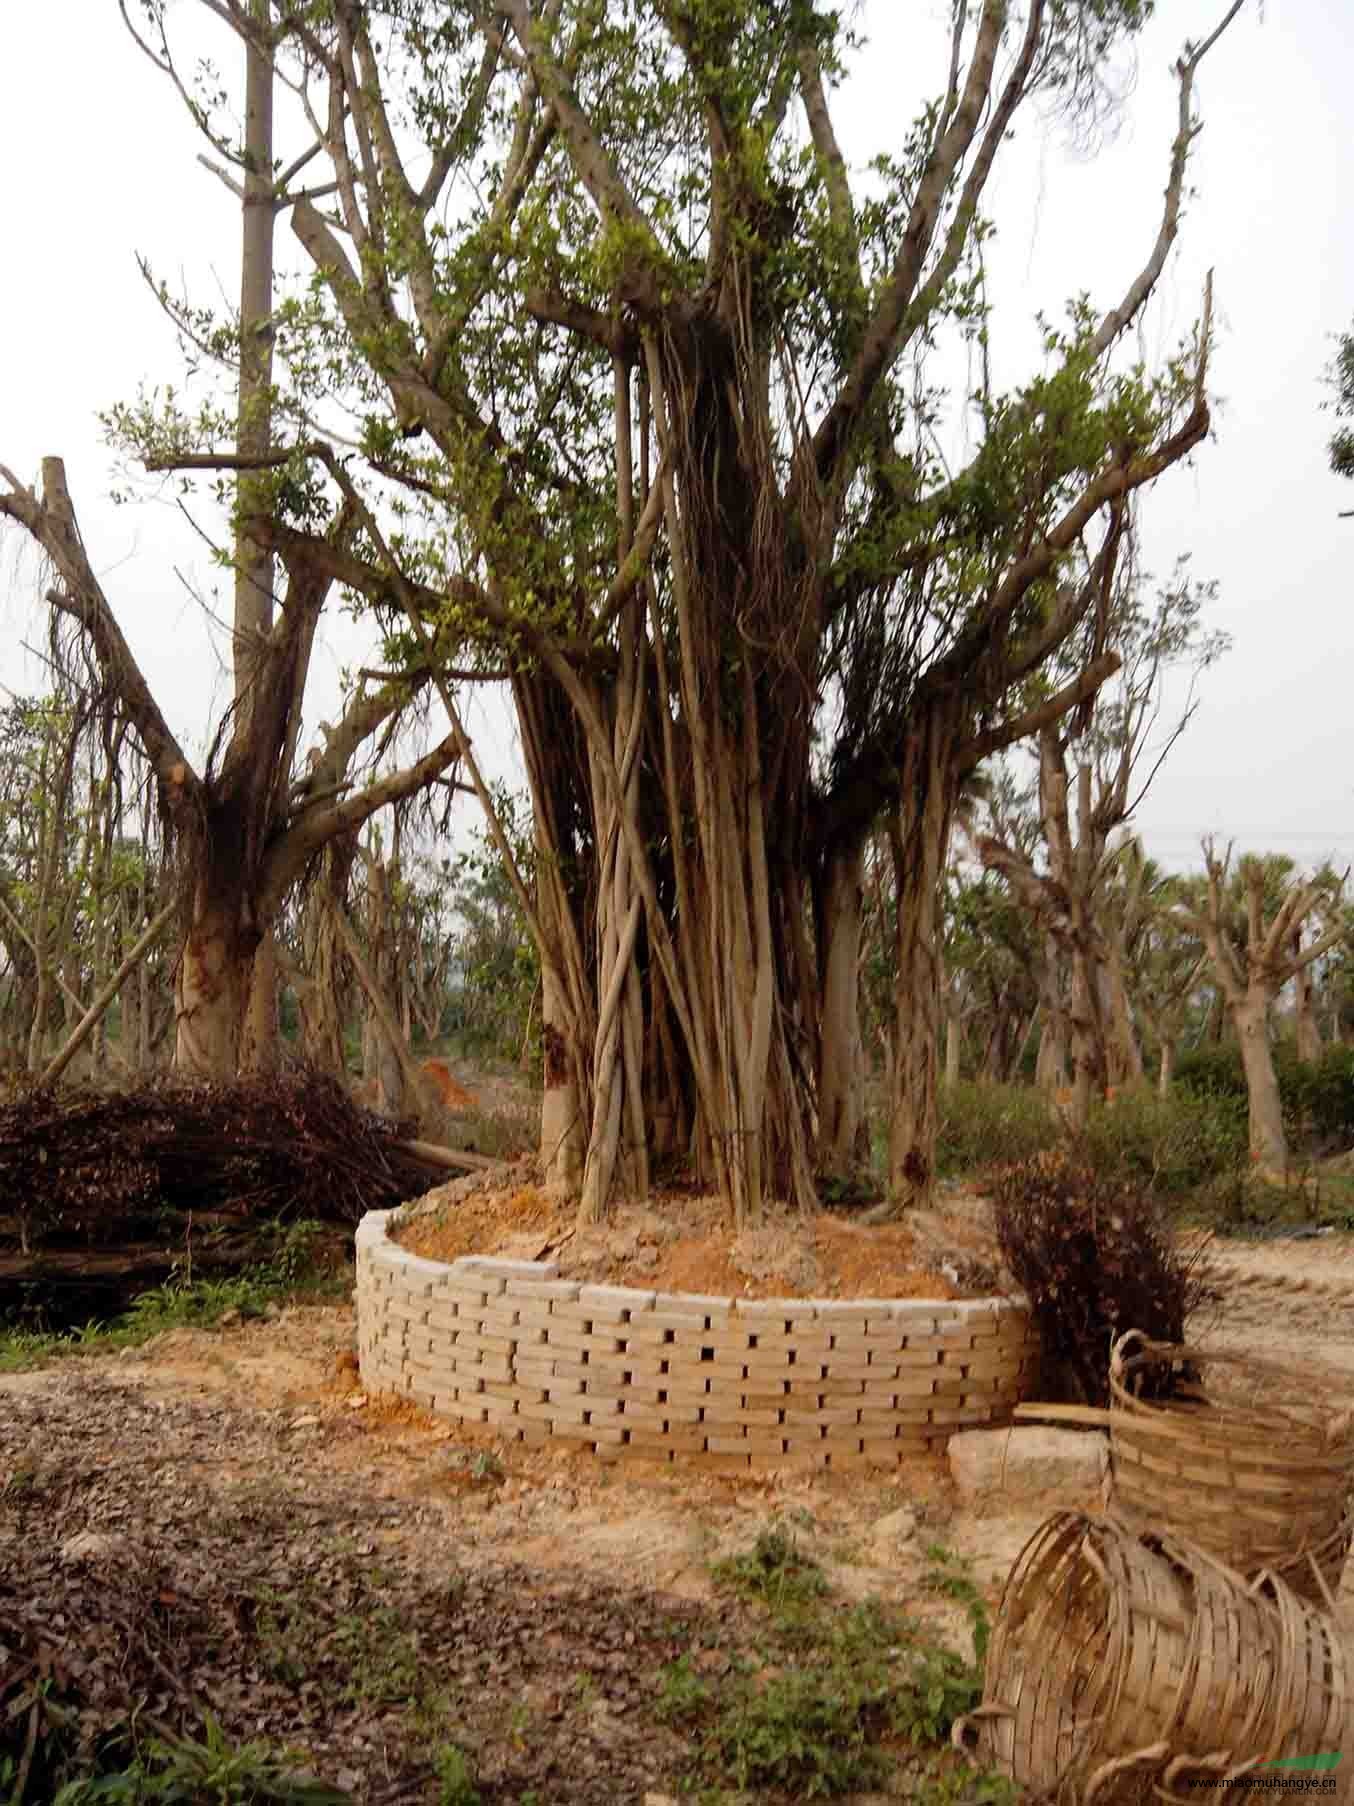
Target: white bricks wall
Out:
[731,1384]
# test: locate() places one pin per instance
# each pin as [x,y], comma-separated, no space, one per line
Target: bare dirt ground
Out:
[679,1241]
[542,1593]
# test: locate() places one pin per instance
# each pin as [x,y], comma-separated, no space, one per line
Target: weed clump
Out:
[834,1692]
[1095,1256]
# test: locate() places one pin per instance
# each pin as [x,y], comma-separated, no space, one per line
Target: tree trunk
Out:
[954,1035]
[920,841]
[1125,1054]
[841,1059]
[1268,1144]
[1305,1026]
[211,988]
[1167,1067]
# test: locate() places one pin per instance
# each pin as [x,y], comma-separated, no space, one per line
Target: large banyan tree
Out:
[649,425]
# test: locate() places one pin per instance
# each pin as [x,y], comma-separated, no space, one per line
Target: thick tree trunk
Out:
[841,1056]
[211,988]
[920,842]
[1250,1015]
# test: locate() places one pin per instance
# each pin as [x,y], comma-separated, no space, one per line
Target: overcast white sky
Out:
[101,165]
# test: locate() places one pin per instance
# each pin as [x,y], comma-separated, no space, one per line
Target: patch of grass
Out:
[831,1692]
[290,1273]
[455,1777]
[209,1771]
[775,1571]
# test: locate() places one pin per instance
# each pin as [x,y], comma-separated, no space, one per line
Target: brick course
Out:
[733,1385]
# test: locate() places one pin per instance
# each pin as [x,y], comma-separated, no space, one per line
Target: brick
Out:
[612,1304]
[829,1416]
[831,1387]
[711,1304]
[563,1290]
[539,1413]
[470,1345]
[575,1342]
[569,1411]
[757,1420]
[494,1267]
[512,1392]
[644,1330]
[765,1400]
[653,1446]
[681,1414]
[559,1389]
[445,1315]
[762,1442]
[684,1394]
[767,1310]
[469,1281]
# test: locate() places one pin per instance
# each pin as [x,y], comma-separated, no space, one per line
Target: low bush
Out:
[1095,1255]
[1171,1144]
[1317,1095]
[984,1125]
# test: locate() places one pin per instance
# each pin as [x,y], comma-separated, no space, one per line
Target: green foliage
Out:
[985,1125]
[1169,1144]
[497,963]
[455,1777]
[184,1303]
[775,1570]
[1095,1256]
[833,1689]
[206,1771]
[1317,1096]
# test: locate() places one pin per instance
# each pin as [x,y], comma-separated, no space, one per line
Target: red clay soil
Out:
[680,1243]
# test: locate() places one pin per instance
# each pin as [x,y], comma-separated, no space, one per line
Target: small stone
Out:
[1027,1462]
[228,1318]
[895,1529]
[272,1311]
[659,1799]
[304,1423]
[358,1403]
[89,1545]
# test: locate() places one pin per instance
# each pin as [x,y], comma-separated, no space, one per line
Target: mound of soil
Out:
[678,1242]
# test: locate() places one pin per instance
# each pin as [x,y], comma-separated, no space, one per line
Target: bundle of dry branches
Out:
[84,1166]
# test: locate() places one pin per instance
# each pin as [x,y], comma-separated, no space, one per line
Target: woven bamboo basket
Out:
[1241,1461]
[1123,1667]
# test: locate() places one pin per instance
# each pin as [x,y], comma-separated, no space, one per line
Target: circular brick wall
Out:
[734,1384]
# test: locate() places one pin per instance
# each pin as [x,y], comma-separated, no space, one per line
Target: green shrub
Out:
[1317,1097]
[1171,1144]
[983,1125]
[1095,1256]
